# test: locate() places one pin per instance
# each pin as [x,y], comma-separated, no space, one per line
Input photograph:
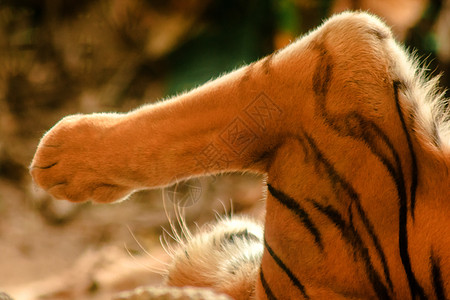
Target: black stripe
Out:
[285,268]
[337,179]
[295,207]
[438,284]
[266,286]
[267,62]
[352,237]
[247,74]
[358,127]
[414,170]
[415,288]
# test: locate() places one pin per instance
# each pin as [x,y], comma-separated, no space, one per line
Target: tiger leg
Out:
[228,124]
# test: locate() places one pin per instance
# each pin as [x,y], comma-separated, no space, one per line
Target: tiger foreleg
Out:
[225,125]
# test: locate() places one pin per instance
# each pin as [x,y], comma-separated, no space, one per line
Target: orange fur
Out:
[342,124]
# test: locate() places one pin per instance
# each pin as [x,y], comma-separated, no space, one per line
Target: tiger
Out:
[353,139]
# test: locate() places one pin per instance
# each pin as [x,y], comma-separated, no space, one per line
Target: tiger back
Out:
[360,187]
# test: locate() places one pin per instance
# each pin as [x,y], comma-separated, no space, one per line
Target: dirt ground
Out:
[69,251]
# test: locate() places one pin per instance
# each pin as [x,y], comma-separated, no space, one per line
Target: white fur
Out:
[218,258]
[423,98]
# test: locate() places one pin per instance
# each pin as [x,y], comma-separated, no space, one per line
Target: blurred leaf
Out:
[288,19]
[237,34]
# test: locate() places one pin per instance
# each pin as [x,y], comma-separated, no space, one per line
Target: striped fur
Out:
[355,143]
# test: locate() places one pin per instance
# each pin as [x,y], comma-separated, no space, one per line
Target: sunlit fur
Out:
[354,141]
[423,99]
[224,256]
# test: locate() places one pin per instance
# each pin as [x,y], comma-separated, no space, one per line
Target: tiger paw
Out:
[79,160]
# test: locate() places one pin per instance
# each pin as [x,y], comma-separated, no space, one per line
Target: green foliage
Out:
[288,19]
[235,33]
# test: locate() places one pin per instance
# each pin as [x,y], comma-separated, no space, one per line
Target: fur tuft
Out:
[224,256]
[423,99]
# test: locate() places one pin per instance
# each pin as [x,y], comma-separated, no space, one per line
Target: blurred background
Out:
[60,57]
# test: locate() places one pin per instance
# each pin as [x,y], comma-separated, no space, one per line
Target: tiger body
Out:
[354,144]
